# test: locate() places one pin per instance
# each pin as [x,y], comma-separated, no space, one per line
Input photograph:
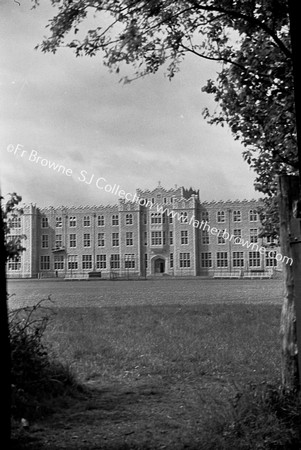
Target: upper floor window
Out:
[100,221]
[184,217]
[253,215]
[129,219]
[220,216]
[87,222]
[45,222]
[72,221]
[253,235]
[115,219]
[58,222]
[156,219]
[236,216]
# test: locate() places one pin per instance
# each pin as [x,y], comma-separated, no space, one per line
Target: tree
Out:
[9,249]
[251,38]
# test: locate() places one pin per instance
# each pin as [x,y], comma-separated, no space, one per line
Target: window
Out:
[45,240]
[87,222]
[87,240]
[115,262]
[44,222]
[153,200]
[236,216]
[101,261]
[129,219]
[14,263]
[115,239]
[254,259]
[72,262]
[156,238]
[128,238]
[58,262]
[15,222]
[72,240]
[86,262]
[45,262]
[101,239]
[156,219]
[171,260]
[115,220]
[171,238]
[145,218]
[129,261]
[183,217]
[220,238]
[238,259]
[253,235]
[145,260]
[205,216]
[220,216]
[237,236]
[58,241]
[101,221]
[72,221]
[145,237]
[205,237]
[253,215]
[206,260]
[170,219]
[270,258]
[164,200]
[222,259]
[184,237]
[58,222]
[184,260]
[164,238]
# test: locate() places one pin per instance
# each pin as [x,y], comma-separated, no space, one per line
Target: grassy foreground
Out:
[164,377]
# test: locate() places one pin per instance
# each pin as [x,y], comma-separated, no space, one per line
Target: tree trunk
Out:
[288,194]
[5,344]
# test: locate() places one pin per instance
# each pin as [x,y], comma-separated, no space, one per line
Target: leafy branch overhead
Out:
[254,87]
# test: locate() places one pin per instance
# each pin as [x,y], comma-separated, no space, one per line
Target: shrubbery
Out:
[261,417]
[36,376]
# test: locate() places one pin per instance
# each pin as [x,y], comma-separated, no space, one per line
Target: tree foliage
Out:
[254,88]
[10,212]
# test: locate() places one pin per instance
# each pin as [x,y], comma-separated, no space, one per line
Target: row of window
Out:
[157,238]
[235,214]
[237,233]
[156,219]
[238,260]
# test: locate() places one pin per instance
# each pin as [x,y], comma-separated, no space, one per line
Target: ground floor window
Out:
[238,259]
[59,262]
[115,262]
[184,260]
[222,259]
[45,262]
[171,260]
[270,258]
[72,262]
[87,262]
[254,259]
[101,261]
[129,261]
[206,259]
[14,263]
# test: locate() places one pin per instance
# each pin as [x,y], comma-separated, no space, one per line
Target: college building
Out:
[160,232]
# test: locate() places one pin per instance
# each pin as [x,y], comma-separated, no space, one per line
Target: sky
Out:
[69,127]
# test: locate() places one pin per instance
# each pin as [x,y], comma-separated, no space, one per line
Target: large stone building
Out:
[159,232]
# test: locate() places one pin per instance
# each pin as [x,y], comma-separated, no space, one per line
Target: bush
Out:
[36,377]
[261,417]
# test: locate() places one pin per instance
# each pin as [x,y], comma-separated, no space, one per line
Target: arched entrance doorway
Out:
[159,265]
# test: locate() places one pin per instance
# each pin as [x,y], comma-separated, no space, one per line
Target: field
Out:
[161,362]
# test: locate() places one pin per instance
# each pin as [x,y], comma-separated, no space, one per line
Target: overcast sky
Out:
[72,112]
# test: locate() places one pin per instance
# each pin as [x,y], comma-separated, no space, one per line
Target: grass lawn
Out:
[156,376]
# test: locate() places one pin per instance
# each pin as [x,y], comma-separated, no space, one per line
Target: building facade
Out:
[163,232]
